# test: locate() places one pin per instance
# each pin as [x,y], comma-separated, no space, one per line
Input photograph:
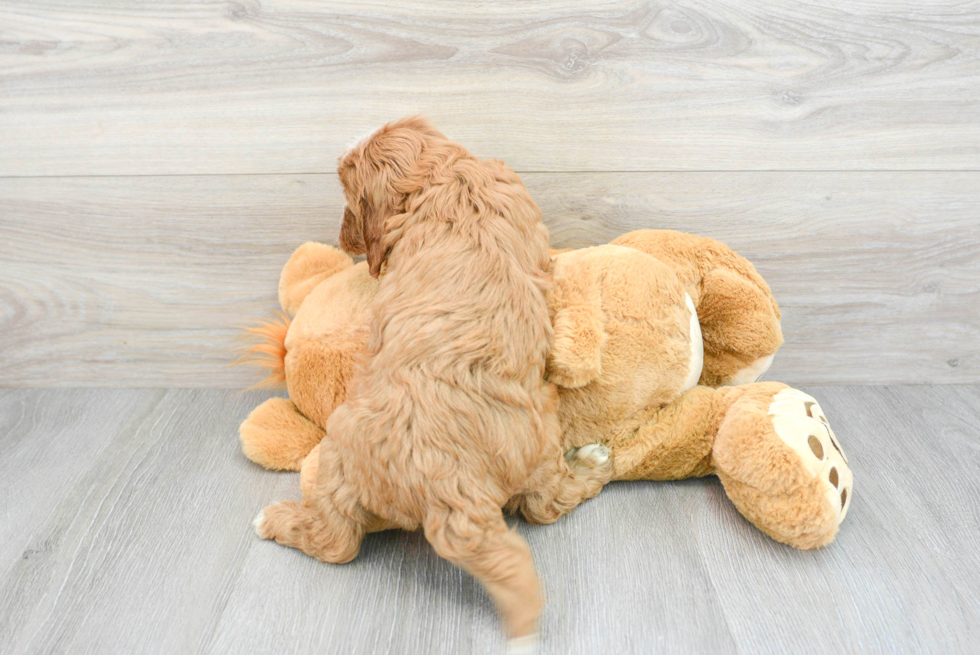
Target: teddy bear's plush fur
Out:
[659,338]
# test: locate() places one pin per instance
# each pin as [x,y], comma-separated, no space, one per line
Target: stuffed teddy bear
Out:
[660,337]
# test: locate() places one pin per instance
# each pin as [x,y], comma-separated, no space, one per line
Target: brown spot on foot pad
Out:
[815,446]
[843,498]
[833,478]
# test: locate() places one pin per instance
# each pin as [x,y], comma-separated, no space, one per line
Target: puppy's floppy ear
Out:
[373,229]
[351,234]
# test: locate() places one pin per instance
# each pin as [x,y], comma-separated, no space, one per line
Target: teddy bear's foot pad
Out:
[800,422]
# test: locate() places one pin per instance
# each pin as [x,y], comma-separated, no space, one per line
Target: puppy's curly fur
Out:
[448,419]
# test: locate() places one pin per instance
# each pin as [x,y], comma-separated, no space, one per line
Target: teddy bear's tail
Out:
[267,350]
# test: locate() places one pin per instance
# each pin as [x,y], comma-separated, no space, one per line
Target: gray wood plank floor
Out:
[126,528]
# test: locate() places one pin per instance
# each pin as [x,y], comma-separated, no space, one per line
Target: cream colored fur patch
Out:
[697,348]
[752,372]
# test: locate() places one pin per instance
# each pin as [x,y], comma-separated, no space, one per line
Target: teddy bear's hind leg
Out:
[671,444]
[782,466]
[277,436]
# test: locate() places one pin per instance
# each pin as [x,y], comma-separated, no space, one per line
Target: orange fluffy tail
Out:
[268,349]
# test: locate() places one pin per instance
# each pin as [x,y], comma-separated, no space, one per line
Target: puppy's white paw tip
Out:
[526,645]
[595,454]
[257,523]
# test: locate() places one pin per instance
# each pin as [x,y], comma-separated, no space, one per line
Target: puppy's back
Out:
[459,340]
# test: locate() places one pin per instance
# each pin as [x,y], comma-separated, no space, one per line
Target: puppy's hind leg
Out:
[564,483]
[314,527]
[479,542]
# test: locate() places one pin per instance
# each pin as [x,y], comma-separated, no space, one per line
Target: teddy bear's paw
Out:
[592,455]
[800,422]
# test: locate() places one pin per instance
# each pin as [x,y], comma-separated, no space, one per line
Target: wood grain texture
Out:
[48,442]
[147,547]
[142,281]
[280,86]
[144,545]
[901,575]
[621,599]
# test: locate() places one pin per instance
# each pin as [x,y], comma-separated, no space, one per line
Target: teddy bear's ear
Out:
[308,266]
[579,322]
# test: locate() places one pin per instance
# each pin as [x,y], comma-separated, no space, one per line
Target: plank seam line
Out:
[522,172]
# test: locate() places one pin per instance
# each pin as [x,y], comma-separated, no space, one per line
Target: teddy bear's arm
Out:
[580,326]
[740,325]
[308,266]
[740,319]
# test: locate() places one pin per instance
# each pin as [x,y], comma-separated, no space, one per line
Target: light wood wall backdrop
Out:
[159,161]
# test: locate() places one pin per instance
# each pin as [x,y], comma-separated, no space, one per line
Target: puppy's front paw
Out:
[261,526]
[593,455]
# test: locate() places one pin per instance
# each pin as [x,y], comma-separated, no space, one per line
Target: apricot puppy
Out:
[448,419]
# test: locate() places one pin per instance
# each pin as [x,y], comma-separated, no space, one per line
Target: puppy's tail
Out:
[267,349]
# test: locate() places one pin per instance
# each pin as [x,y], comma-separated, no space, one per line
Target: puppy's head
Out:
[377,174]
